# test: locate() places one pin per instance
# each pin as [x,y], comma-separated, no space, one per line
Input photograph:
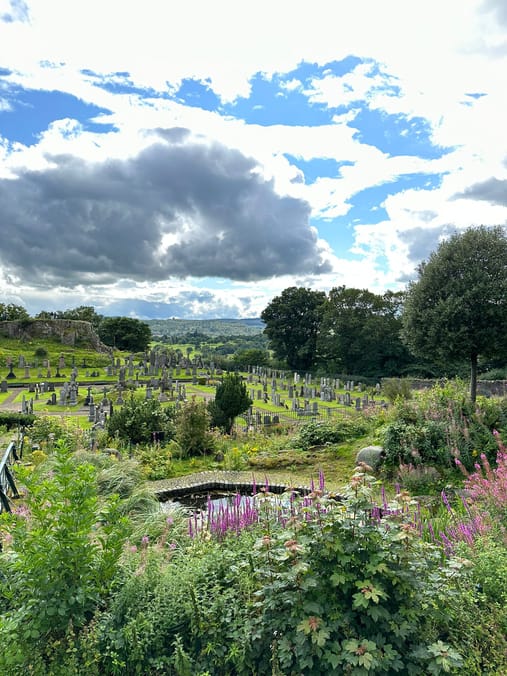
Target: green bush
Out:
[137,420]
[14,420]
[191,609]
[345,595]
[192,428]
[477,616]
[394,388]
[318,433]
[60,561]
[47,430]
[439,425]
[40,352]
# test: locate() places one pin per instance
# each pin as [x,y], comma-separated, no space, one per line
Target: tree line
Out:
[454,314]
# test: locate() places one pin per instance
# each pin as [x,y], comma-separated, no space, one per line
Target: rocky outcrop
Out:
[68,331]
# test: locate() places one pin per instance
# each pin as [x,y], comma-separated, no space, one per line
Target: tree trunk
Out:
[473,378]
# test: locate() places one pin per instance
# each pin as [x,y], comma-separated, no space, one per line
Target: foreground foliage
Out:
[287,586]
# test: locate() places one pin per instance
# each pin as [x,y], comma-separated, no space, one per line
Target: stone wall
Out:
[67,331]
[488,388]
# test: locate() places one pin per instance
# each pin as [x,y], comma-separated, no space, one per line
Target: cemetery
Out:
[199,522]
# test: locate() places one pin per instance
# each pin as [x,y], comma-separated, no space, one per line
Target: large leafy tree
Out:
[292,324]
[457,308]
[360,333]
[85,313]
[231,399]
[125,333]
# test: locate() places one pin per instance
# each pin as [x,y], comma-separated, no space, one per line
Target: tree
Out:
[192,428]
[360,333]
[84,313]
[292,324]
[125,333]
[11,312]
[457,308]
[231,399]
[253,356]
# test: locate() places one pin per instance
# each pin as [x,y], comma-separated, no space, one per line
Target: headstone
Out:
[4,386]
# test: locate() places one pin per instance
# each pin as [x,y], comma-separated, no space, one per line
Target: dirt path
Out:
[6,404]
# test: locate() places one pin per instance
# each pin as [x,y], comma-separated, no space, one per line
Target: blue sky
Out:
[195,160]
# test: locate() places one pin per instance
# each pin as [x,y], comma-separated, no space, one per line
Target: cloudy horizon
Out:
[195,161]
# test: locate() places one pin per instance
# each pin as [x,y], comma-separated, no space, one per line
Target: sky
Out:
[193,159]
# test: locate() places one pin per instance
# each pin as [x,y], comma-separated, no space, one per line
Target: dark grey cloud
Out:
[493,190]
[79,222]
[423,241]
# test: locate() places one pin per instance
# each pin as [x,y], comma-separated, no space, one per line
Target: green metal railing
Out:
[8,489]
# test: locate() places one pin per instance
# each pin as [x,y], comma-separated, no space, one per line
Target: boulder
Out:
[371,455]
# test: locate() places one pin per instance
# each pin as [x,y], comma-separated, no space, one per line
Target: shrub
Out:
[396,388]
[320,433]
[190,607]
[47,430]
[137,420]
[60,562]
[157,460]
[438,426]
[192,428]
[14,420]
[420,479]
[342,594]
[40,352]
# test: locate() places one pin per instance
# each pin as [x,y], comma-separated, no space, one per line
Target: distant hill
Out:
[210,327]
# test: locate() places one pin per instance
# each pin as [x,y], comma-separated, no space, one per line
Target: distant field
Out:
[210,327]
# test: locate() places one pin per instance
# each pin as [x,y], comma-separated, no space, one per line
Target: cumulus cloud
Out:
[175,210]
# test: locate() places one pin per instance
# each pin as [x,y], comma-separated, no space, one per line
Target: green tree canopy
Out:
[292,323]
[11,312]
[85,313]
[360,333]
[253,356]
[457,308]
[125,333]
[231,399]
